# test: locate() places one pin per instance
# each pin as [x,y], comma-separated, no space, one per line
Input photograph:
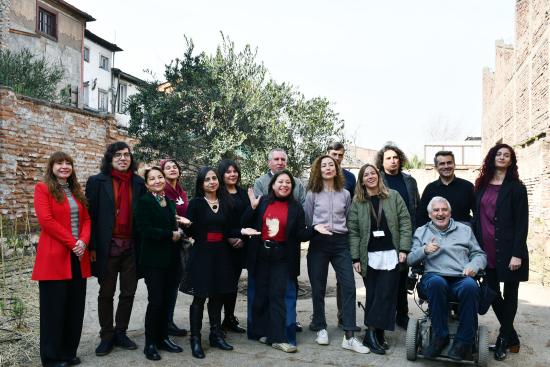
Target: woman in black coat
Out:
[237,202]
[277,228]
[155,219]
[210,268]
[501,226]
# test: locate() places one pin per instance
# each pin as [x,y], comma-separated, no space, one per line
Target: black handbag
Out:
[186,245]
[486,297]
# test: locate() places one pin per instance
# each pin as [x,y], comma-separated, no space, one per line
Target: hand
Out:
[357,267]
[254,201]
[469,272]
[176,235]
[515,263]
[322,228]
[250,232]
[79,248]
[235,242]
[183,221]
[93,256]
[402,257]
[431,247]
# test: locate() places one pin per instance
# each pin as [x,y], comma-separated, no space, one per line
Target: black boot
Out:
[195,319]
[500,349]
[370,341]
[174,330]
[217,338]
[231,323]
[381,339]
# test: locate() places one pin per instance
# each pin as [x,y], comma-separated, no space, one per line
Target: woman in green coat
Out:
[380,237]
[155,219]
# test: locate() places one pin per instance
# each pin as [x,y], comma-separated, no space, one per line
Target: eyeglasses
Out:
[120,155]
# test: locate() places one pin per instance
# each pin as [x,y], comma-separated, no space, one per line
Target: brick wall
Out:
[515,111]
[30,130]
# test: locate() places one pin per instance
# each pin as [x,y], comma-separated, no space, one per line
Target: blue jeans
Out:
[439,289]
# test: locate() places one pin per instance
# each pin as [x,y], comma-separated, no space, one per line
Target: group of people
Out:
[124,227]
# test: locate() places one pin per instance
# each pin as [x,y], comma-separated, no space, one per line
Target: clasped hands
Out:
[79,249]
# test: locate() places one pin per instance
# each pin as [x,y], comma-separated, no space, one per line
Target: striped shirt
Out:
[74,210]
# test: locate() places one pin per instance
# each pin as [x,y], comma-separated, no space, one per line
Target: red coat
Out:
[53,255]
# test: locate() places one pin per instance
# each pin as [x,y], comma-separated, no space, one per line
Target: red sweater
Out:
[53,255]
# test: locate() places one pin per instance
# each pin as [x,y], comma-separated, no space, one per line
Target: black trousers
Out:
[174,293]
[125,265]
[268,309]
[324,250]
[230,300]
[402,308]
[382,291]
[505,305]
[160,285]
[61,315]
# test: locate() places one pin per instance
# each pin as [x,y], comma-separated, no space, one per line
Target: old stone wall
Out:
[515,111]
[30,130]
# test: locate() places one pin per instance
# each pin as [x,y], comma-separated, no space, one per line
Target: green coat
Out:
[359,226]
[156,229]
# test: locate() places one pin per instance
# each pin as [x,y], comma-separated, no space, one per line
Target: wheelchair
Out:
[419,330]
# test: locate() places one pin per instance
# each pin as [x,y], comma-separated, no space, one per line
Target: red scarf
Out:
[124,205]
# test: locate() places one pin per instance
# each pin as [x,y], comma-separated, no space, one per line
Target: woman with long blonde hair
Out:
[380,236]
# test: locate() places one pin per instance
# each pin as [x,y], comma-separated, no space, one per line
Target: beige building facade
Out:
[50,28]
[516,111]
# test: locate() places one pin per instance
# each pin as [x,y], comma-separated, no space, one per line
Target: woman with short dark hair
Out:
[501,224]
[276,228]
[155,218]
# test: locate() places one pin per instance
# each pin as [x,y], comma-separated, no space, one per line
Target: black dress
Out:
[210,266]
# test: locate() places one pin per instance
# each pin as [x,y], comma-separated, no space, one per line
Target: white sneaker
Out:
[263,340]
[322,337]
[355,345]
[285,347]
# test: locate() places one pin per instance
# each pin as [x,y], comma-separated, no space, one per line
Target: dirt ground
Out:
[532,323]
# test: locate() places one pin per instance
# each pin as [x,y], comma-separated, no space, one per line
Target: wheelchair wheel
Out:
[482,346]
[412,339]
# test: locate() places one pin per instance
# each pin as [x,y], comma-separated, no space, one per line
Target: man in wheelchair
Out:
[451,257]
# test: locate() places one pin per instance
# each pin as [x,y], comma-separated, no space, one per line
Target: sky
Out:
[393,69]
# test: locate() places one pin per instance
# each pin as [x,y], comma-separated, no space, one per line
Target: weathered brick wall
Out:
[515,111]
[30,130]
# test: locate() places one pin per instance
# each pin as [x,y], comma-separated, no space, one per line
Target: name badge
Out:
[378,233]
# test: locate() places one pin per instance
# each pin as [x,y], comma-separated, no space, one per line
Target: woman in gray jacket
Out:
[380,236]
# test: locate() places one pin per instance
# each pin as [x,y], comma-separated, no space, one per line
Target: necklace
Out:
[213,203]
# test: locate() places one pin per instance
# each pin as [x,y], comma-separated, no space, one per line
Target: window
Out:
[86,54]
[47,23]
[122,96]
[104,63]
[86,94]
[103,101]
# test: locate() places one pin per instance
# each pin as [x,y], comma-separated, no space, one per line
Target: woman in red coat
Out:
[62,260]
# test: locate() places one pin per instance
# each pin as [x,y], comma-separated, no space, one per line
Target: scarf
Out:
[178,196]
[124,206]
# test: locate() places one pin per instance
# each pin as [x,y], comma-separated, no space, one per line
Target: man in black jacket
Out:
[111,196]
[390,161]
[459,192]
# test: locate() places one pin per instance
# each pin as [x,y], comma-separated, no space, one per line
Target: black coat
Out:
[101,205]
[296,232]
[156,226]
[511,227]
